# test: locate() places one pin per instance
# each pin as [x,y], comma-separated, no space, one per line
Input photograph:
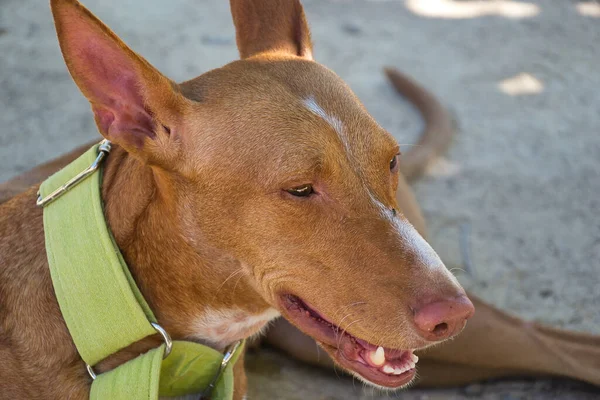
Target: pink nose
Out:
[442,319]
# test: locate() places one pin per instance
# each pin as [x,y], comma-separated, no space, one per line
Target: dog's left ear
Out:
[134,105]
[271,26]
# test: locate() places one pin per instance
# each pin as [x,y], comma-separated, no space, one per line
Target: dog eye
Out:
[301,191]
[394,163]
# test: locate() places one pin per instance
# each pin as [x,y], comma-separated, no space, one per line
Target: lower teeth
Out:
[389,370]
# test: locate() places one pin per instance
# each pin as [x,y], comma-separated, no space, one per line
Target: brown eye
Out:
[301,191]
[394,163]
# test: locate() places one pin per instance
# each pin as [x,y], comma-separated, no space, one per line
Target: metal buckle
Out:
[226,359]
[103,151]
[166,339]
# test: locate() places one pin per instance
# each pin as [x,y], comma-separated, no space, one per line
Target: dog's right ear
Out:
[271,26]
[134,105]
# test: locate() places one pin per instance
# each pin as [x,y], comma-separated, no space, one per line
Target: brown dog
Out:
[268,169]
[514,348]
[493,344]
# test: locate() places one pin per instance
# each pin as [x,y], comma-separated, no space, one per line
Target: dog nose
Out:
[442,319]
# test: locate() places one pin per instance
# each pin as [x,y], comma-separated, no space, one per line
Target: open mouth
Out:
[390,368]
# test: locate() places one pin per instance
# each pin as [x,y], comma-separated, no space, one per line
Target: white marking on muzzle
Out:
[410,236]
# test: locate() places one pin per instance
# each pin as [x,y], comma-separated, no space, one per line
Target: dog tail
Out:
[439,125]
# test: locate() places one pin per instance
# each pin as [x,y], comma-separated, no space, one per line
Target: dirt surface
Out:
[520,188]
[273,376]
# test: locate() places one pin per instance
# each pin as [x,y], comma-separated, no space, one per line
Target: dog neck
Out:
[182,278]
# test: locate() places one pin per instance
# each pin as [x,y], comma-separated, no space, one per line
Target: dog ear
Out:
[271,26]
[133,104]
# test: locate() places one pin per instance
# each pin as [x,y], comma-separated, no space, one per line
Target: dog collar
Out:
[102,306]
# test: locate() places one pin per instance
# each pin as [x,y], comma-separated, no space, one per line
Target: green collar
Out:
[101,304]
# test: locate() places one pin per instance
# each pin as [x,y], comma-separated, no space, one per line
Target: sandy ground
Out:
[522,181]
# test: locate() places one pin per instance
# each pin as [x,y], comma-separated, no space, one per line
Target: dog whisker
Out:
[357,303]
[457,269]
[234,273]
[345,329]
[341,322]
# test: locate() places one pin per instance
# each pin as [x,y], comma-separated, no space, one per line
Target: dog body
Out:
[260,188]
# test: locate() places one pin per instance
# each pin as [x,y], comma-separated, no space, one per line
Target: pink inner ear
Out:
[109,76]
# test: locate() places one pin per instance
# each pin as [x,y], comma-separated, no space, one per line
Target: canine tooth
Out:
[378,356]
[388,369]
[414,358]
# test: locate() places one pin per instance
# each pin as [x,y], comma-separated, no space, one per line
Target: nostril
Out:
[443,318]
[440,329]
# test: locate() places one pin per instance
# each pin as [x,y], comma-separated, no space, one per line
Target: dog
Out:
[268,168]
[146,152]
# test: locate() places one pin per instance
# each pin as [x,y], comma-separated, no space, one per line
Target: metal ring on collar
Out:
[226,359]
[166,338]
[90,371]
[103,150]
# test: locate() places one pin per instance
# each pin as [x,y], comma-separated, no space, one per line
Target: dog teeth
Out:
[388,369]
[377,357]
[391,370]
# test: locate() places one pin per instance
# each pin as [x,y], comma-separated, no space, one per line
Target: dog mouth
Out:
[380,366]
